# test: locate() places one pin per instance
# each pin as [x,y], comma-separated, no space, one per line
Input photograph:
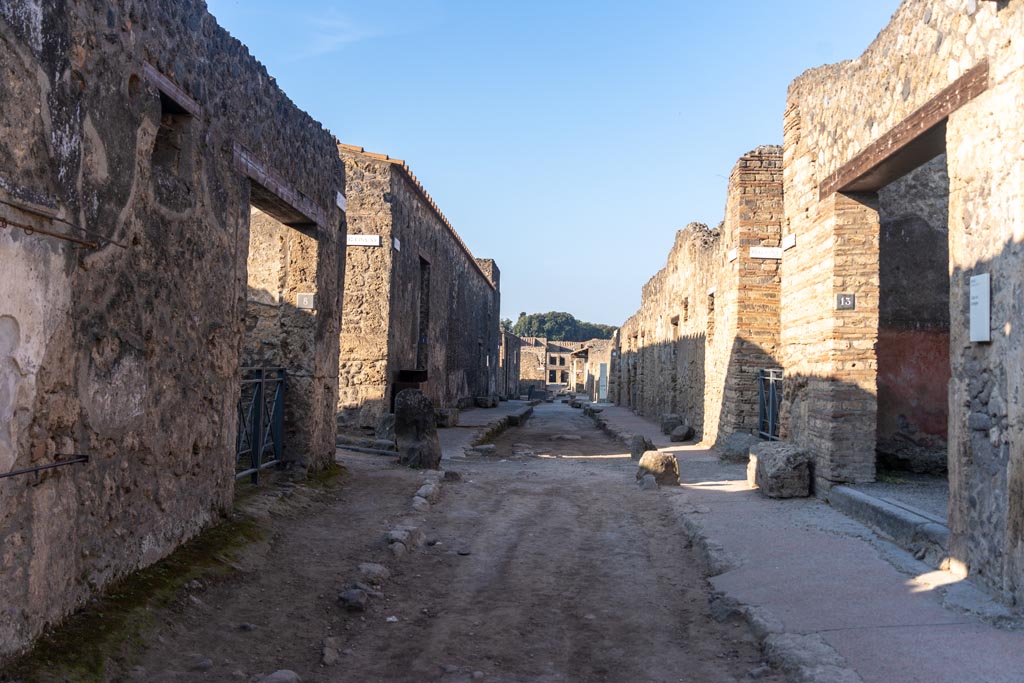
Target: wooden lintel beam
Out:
[172,90]
[868,170]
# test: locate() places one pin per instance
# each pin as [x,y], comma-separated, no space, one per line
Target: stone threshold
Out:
[920,533]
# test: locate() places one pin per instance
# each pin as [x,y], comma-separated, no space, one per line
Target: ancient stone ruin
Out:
[861,297]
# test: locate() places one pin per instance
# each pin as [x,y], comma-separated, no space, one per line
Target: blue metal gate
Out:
[260,440]
[769,400]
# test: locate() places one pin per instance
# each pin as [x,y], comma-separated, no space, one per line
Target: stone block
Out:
[639,445]
[486,401]
[447,417]
[780,469]
[663,466]
[416,430]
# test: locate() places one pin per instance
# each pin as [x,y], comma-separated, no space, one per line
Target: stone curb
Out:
[802,658]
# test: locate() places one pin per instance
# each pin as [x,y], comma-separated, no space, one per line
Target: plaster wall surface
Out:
[130,352]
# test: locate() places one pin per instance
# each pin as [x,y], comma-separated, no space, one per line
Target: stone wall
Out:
[146,129]
[509,366]
[533,363]
[708,321]
[835,113]
[419,301]
[363,382]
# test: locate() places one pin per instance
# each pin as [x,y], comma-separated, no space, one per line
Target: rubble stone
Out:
[664,467]
[780,469]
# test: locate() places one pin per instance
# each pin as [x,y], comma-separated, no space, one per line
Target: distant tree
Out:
[559,326]
[505,325]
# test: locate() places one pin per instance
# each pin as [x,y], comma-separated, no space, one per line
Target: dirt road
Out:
[544,564]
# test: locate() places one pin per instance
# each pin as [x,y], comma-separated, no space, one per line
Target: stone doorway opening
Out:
[913,322]
[283,333]
[897,211]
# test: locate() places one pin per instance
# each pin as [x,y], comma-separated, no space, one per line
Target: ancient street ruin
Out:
[261,419]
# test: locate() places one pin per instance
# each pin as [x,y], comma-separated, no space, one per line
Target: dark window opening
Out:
[565,376]
[551,377]
[172,156]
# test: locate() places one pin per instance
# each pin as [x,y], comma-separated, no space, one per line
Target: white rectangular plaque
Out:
[789,241]
[732,255]
[363,241]
[981,308]
[304,302]
[342,202]
[766,252]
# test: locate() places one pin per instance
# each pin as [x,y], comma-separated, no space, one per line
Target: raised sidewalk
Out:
[831,599]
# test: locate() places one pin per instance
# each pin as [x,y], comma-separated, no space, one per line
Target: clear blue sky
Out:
[566,140]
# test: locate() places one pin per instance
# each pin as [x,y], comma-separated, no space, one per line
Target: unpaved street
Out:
[545,564]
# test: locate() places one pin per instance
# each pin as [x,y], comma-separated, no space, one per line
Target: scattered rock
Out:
[420,504]
[416,430]
[780,469]
[398,549]
[450,669]
[639,445]
[452,476]
[478,675]
[683,432]
[669,422]
[374,573]
[368,589]
[282,676]
[398,536]
[353,600]
[203,664]
[392,620]
[428,491]
[465,552]
[247,627]
[663,466]
[648,482]
[566,437]
[484,449]
[330,654]
[736,447]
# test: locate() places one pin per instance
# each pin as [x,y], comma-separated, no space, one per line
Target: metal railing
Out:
[260,422]
[769,400]
[75,459]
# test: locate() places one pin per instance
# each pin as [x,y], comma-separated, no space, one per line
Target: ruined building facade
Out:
[709,320]
[888,291]
[419,308]
[183,221]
